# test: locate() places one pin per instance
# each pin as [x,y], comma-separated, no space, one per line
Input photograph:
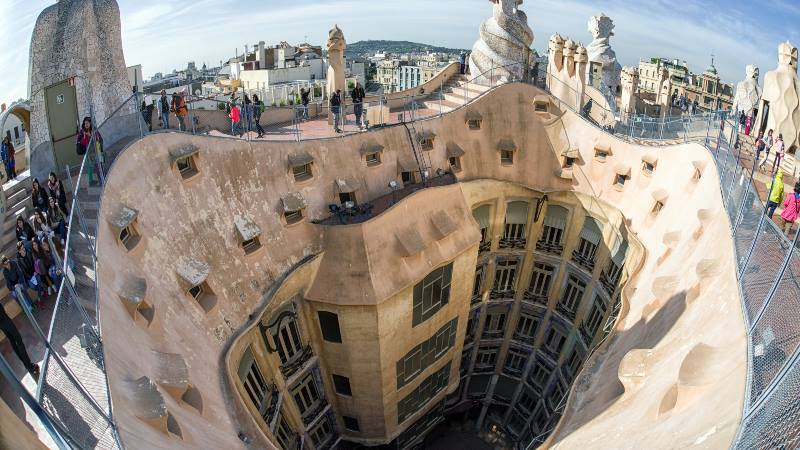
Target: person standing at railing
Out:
[775,189]
[258,109]
[163,110]
[305,94]
[8,155]
[13,277]
[357,95]
[780,152]
[84,140]
[180,109]
[236,117]
[336,107]
[791,208]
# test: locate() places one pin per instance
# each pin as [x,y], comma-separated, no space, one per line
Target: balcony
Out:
[549,247]
[298,361]
[608,283]
[476,299]
[311,416]
[270,404]
[568,313]
[484,247]
[512,372]
[493,334]
[513,243]
[583,261]
[507,294]
[533,297]
[482,368]
[525,340]
[586,335]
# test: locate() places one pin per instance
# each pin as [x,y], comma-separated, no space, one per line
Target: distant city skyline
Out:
[162,36]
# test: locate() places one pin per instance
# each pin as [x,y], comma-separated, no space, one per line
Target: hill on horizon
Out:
[371,47]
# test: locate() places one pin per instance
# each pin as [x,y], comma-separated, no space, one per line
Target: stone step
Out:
[445,106]
[19,194]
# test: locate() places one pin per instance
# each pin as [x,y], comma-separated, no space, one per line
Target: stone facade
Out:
[80,39]
[336,75]
[600,52]
[566,71]
[630,89]
[504,50]
[782,94]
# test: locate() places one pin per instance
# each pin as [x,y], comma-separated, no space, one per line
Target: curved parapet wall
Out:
[677,354]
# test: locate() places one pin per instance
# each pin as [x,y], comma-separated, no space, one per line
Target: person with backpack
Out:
[357,95]
[180,109]
[336,108]
[8,155]
[791,208]
[258,109]
[84,139]
[163,110]
[775,189]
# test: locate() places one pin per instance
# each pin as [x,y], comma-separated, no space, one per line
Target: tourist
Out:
[235,116]
[24,230]
[336,107]
[780,151]
[180,109]
[357,95]
[305,95]
[9,158]
[768,143]
[163,110]
[25,263]
[39,224]
[12,276]
[760,145]
[775,189]
[462,60]
[53,270]
[84,139]
[147,112]
[38,195]
[57,220]
[41,266]
[791,208]
[258,109]
[248,112]
[55,190]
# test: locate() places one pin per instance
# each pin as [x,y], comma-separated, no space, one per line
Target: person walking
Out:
[258,109]
[775,189]
[791,208]
[357,95]
[180,109]
[768,143]
[9,158]
[12,276]
[235,116]
[305,99]
[336,107]
[163,110]
[147,112]
[84,139]
[248,113]
[780,152]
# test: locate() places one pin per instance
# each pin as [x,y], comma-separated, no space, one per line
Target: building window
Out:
[482,215]
[601,154]
[527,326]
[506,157]
[474,124]
[610,277]
[320,433]
[574,363]
[426,143]
[293,216]
[516,219]
[203,295]
[477,291]
[287,340]
[591,235]
[254,383]
[302,172]
[539,288]
[472,325]
[423,394]
[526,402]
[466,359]
[307,397]
[284,433]
[540,106]
[571,299]
[486,359]
[187,167]
[504,277]
[455,162]
[431,294]
[407,177]
[129,237]
[345,197]
[515,361]
[592,323]
[350,423]
[540,374]
[373,159]
[555,223]
[568,162]
[425,354]
[648,168]
[251,245]
[555,342]
[495,325]
[342,385]
[659,205]
[329,324]
[619,180]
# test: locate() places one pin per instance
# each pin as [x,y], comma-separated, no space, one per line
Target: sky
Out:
[163,35]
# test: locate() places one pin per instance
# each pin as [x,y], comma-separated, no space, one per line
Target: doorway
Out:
[61,106]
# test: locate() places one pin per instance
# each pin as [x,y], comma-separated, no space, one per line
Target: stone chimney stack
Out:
[630,89]
[581,63]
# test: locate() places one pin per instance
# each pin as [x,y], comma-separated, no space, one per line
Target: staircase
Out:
[456,91]
[18,203]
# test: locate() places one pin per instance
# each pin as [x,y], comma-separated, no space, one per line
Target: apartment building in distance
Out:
[706,89]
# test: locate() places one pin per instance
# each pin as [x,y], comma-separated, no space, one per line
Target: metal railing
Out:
[73,401]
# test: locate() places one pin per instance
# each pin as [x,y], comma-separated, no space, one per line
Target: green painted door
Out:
[61,105]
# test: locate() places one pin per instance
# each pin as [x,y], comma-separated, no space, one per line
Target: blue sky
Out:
[163,35]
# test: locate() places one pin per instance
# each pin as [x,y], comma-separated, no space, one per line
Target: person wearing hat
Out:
[13,276]
[163,110]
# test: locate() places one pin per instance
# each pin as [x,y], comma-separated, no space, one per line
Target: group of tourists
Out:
[336,103]
[790,202]
[765,145]
[248,115]
[34,266]
[175,104]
